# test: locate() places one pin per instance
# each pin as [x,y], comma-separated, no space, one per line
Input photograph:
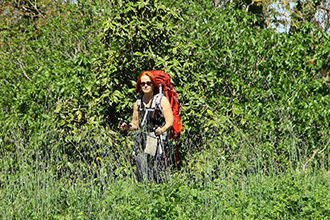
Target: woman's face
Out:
[146,85]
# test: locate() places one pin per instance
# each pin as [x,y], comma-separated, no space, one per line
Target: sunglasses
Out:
[144,83]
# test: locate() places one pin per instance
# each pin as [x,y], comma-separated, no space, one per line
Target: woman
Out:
[153,121]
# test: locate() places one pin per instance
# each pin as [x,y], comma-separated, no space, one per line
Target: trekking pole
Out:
[126,145]
[160,89]
[161,146]
[164,155]
[159,136]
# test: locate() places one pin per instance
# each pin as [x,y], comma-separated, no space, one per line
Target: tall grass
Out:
[40,181]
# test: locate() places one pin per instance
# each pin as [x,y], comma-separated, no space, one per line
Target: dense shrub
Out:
[254,104]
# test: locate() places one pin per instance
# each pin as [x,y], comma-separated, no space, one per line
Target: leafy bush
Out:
[254,104]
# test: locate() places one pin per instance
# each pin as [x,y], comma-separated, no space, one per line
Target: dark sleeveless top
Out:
[151,117]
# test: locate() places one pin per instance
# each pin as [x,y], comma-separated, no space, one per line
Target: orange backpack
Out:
[168,90]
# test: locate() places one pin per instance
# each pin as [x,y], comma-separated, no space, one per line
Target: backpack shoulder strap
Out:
[158,99]
[139,103]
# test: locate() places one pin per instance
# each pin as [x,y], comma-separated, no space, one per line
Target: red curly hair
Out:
[152,79]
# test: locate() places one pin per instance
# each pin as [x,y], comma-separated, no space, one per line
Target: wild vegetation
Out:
[254,105]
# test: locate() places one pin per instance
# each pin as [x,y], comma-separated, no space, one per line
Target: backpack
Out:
[167,89]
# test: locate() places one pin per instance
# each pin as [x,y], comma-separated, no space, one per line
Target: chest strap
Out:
[157,99]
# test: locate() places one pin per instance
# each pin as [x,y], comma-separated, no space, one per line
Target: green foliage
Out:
[273,103]
[38,194]
[254,104]
[137,36]
[37,70]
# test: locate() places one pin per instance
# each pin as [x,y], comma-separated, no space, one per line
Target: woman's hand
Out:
[158,131]
[123,126]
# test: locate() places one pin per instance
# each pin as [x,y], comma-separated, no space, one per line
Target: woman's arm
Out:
[168,115]
[135,118]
